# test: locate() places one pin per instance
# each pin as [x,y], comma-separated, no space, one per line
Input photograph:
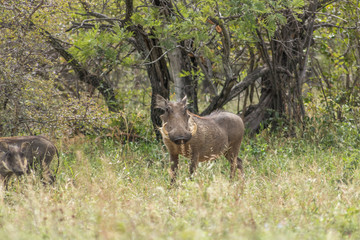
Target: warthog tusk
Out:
[164,132]
[192,126]
[6,166]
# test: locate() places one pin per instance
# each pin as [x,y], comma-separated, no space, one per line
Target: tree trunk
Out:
[186,85]
[175,69]
[286,58]
[156,66]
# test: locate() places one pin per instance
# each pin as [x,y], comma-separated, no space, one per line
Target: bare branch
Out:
[219,101]
[76,26]
[247,81]
[212,88]
[231,17]
[35,9]
[159,58]
[330,25]
[328,15]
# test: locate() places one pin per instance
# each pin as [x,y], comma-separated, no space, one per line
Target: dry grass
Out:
[122,192]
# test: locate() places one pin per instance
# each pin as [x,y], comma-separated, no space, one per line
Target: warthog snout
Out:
[19,173]
[177,133]
[180,139]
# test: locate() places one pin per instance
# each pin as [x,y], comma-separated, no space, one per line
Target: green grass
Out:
[292,189]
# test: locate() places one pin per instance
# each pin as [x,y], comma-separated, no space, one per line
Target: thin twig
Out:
[162,55]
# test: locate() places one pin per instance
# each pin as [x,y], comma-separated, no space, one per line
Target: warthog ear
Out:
[161,102]
[184,101]
[4,147]
[24,146]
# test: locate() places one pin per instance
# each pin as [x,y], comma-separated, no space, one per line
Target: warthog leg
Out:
[239,164]
[193,164]
[235,161]
[48,178]
[174,166]
[233,167]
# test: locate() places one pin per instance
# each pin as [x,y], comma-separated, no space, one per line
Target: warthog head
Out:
[12,159]
[177,123]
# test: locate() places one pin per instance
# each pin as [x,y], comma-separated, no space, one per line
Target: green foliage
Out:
[101,45]
[338,125]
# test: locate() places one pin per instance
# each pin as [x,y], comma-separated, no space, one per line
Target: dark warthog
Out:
[200,138]
[32,150]
[12,161]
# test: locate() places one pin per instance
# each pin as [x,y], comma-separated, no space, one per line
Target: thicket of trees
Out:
[70,64]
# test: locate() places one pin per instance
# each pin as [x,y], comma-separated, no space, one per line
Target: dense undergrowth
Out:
[305,187]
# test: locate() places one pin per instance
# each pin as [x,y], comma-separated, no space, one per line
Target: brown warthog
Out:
[200,138]
[25,153]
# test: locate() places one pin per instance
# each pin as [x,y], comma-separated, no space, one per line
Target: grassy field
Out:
[293,188]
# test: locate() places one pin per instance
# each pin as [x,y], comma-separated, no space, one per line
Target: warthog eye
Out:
[168,109]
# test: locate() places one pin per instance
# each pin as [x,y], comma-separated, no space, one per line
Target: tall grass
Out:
[307,188]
